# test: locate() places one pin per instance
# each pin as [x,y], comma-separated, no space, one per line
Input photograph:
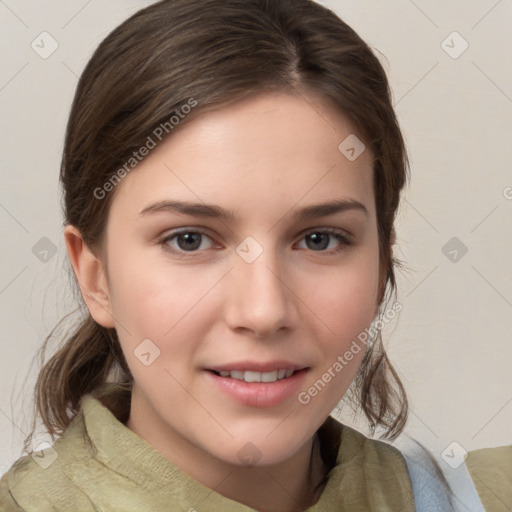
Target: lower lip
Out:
[259,394]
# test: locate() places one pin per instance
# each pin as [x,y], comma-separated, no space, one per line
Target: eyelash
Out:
[345,242]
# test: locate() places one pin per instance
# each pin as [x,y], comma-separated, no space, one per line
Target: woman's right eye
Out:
[185,241]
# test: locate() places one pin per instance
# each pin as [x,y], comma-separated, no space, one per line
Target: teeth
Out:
[250,376]
[269,376]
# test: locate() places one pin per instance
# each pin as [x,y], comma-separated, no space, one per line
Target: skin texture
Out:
[262,158]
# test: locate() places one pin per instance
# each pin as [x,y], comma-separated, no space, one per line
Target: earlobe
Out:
[380,294]
[91,276]
[383,273]
[392,237]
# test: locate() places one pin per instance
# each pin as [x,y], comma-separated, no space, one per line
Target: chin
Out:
[259,451]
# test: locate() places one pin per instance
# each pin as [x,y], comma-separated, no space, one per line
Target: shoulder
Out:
[432,491]
[358,449]
[65,472]
[383,464]
[370,470]
[7,501]
[40,481]
[491,472]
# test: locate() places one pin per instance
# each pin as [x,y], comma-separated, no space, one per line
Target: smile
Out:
[258,389]
[252,376]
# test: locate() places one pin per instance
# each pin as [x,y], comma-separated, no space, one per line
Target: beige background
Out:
[452,344]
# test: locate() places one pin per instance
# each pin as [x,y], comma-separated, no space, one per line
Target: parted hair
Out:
[216,52]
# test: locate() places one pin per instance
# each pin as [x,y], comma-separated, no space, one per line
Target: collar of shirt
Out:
[366,474]
[100,464]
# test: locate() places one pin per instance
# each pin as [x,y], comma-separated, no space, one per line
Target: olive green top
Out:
[491,472]
[100,464]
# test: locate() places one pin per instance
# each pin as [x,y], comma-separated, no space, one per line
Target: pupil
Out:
[316,237]
[190,238]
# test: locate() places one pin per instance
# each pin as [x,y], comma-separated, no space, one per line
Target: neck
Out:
[280,488]
[290,486]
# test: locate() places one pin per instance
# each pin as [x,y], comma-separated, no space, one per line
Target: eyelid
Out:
[206,232]
[164,239]
[331,231]
[345,239]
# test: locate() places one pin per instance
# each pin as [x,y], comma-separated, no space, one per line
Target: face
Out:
[263,287]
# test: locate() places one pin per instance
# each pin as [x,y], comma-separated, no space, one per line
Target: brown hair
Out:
[215,52]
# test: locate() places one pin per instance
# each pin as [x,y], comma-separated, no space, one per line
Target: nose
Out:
[260,296]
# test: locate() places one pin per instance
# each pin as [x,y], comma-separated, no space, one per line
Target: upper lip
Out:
[255,366]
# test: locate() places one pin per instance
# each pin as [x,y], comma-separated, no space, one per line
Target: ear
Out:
[383,270]
[392,237]
[91,277]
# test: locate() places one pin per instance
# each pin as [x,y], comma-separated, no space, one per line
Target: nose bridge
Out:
[259,297]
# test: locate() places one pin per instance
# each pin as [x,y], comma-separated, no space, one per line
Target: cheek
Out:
[168,304]
[143,293]
[347,300]
[345,306]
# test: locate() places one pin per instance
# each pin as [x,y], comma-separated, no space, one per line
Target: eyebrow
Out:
[214,211]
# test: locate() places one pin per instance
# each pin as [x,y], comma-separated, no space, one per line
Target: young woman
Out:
[231,174]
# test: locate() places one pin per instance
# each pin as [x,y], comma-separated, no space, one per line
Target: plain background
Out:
[452,341]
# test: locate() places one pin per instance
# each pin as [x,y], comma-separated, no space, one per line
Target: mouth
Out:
[258,388]
[254,376]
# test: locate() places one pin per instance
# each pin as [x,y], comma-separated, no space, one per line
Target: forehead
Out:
[262,153]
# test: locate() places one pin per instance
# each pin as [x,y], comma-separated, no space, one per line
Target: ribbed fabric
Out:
[103,465]
[491,471]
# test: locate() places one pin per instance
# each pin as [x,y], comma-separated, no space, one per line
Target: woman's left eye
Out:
[189,241]
[319,238]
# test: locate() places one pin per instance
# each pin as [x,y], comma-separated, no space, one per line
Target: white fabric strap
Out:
[430,493]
